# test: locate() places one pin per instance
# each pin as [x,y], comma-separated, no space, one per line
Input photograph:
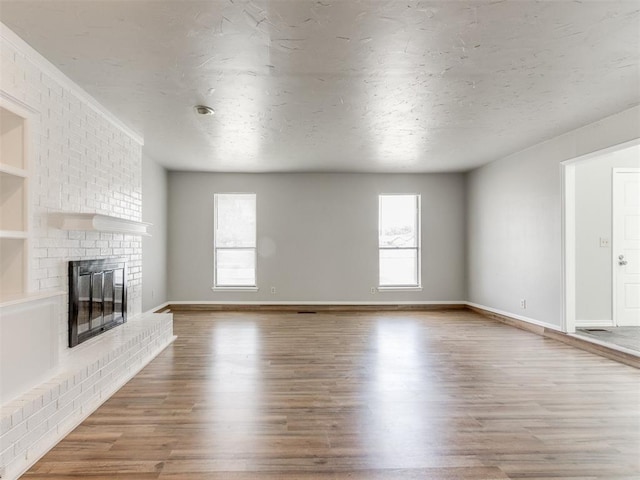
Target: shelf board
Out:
[13,171]
[13,234]
[19,298]
[101,223]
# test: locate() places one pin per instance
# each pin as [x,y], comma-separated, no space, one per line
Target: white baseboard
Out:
[522,318]
[594,323]
[532,321]
[311,302]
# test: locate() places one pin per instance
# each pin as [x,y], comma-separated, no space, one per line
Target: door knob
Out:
[621,260]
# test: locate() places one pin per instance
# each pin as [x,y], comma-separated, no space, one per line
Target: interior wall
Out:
[81,161]
[594,181]
[154,247]
[514,207]
[317,236]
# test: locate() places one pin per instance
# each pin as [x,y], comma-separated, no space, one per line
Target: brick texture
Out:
[81,162]
[36,421]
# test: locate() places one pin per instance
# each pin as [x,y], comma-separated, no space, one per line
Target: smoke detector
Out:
[204,110]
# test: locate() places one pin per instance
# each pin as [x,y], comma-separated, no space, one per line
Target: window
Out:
[399,241]
[234,240]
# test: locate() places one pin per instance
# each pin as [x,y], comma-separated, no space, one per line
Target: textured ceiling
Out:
[331,85]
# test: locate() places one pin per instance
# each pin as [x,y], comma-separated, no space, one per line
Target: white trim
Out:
[594,323]
[30,117]
[237,288]
[516,316]
[568,252]
[14,234]
[14,171]
[358,303]
[307,302]
[101,223]
[16,105]
[28,297]
[384,288]
[568,242]
[604,151]
[10,37]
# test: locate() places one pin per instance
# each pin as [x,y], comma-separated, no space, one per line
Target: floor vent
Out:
[306,312]
[596,330]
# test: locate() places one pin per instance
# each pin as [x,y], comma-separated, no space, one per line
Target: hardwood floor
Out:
[390,395]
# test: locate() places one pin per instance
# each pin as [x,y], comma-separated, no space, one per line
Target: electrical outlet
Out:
[523,303]
[604,242]
[373,290]
[273,290]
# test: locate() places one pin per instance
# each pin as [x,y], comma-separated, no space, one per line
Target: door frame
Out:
[614,276]
[568,233]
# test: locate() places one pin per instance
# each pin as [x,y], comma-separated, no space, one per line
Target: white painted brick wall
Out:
[82,162]
[35,422]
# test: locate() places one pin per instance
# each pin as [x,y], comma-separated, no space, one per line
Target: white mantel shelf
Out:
[102,223]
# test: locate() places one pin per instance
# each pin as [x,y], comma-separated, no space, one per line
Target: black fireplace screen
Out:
[97,297]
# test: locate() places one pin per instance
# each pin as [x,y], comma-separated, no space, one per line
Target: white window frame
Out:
[243,288]
[418,247]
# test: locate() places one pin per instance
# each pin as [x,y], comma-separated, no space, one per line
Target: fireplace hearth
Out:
[97,297]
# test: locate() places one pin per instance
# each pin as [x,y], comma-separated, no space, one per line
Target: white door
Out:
[626,246]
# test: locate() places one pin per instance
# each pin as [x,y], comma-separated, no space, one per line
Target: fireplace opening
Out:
[97,297]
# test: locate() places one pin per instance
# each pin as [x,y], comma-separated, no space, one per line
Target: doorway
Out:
[600,217]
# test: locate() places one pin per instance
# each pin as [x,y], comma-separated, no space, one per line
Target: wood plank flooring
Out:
[445,395]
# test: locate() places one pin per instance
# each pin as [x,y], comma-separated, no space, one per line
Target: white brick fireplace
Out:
[81,160]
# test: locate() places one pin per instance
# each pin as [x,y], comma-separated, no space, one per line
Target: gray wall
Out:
[594,221]
[317,235]
[514,220]
[154,248]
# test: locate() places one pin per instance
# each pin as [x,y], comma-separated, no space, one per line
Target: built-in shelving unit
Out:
[14,205]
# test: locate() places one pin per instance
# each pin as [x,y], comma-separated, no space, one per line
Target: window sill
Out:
[235,289]
[400,289]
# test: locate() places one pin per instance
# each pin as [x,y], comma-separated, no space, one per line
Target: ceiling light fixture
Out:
[204,110]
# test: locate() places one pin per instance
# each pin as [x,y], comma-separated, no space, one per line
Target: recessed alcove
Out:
[14,180]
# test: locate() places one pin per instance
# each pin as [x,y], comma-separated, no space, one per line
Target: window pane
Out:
[236,220]
[236,267]
[398,221]
[398,267]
